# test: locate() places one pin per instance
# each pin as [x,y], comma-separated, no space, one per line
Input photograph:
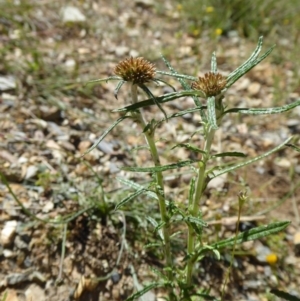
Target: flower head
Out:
[211,83]
[135,70]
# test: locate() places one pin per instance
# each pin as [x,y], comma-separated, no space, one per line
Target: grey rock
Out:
[7,82]
[72,14]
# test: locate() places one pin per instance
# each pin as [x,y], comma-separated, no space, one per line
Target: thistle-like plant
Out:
[208,93]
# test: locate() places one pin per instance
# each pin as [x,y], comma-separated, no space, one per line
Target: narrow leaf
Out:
[200,252]
[137,186]
[158,273]
[144,291]
[161,99]
[261,111]
[129,198]
[251,58]
[230,154]
[114,77]
[165,82]
[248,67]
[214,68]
[149,94]
[156,226]
[217,173]
[159,226]
[175,234]
[296,148]
[153,222]
[105,134]
[153,245]
[160,168]
[284,295]
[120,84]
[195,220]
[181,113]
[252,234]
[189,147]
[177,75]
[191,191]
[211,111]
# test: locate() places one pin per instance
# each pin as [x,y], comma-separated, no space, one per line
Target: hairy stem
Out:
[149,136]
[194,210]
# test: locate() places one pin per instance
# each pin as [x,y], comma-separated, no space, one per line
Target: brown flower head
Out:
[211,83]
[135,70]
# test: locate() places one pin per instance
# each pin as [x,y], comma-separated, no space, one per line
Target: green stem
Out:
[149,136]
[194,210]
[200,185]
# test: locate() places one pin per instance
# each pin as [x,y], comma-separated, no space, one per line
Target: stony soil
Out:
[49,118]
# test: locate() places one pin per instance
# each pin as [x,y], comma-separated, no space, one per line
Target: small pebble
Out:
[7,233]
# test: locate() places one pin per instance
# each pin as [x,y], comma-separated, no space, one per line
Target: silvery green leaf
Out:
[215,173]
[161,168]
[211,112]
[161,99]
[252,234]
[214,68]
[264,111]
[129,198]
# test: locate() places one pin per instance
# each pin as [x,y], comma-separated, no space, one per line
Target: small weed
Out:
[208,93]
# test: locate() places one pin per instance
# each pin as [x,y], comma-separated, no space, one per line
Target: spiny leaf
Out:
[144,290]
[262,111]
[137,186]
[191,191]
[252,234]
[296,148]
[165,82]
[211,111]
[284,295]
[249,60]
[158,273]
[177,75]
[120,84]
[215,173]
[129,198]
[160,168]
[181,113]
[248,67]
[214,68]
[161,99]
[114,77]
[195,220]
[153,245]
[149,93]
[230,154]
[189,147]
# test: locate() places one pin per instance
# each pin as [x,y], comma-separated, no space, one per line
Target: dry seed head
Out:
[135,70]
[211,83]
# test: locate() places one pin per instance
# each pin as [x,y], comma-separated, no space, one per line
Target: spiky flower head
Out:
[211,83]
[135,70]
